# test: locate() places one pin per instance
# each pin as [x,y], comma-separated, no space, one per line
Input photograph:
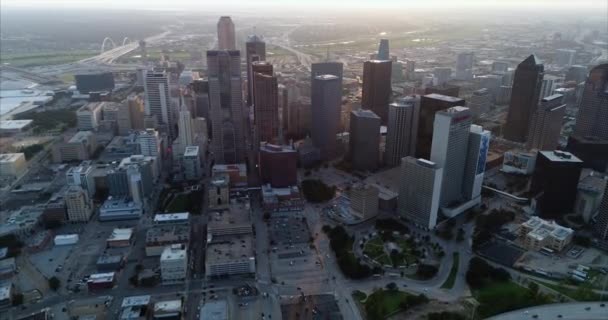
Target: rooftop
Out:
[81,136]
[168,232]
[5,290]
[135,301]
[191,151]
[365,113]
[387,182]
[326,77]
[168,217]
[103,259]
[438,96]
[168,306]
[14,124]
[268,147]
[121,234]
[101,277]
[237,214]
[10,157]
[235,249]
[174,252]
[560,156]
[119,203]
[214,310]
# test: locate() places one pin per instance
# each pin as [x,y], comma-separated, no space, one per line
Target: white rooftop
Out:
[168,306]
[121,234]
[165,217]
[14,124]
[135,301]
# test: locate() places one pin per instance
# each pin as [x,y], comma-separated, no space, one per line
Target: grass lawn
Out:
[374,248]
[46,58]
[384,260]
[389,300]
[359,296]
[180,203]
[501,297]
[449,282]
[582,293]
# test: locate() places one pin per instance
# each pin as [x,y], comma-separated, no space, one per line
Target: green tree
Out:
[54,283]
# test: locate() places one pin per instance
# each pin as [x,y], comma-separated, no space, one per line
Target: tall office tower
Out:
[192,163]
[397,72]
[601,225]
[429,105]
[527,83]
[480,102]
[410,70]
[449,150]
[82,176]
[326,99]
[383,50]
[322,68]
[500,67]
[225,96]
[364,140]
[200,90]
[377,87]
[78,205]
[136,106]
[266,108]
[564,57]
[441,76]
[283,110]
[504,95]
[149,143]
[550,83]
[477,152]
[278,165]
[507,78]
[225,34]
[420,191]
[576,73]
[592,119]
[364,200]
[158,100]
[255,51]
[555,182]
[464,66]
[546,123]
[186,137]
[402,129]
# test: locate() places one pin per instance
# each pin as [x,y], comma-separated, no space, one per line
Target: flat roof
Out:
[116,258]
[365,113]
[14,124]
[214,310]
[387,182]
[326,77]
[237,214]
[119,203]
[119,234]
[10,157]
[443,97]
[134,301]
[237,248]
[5,290]
[275,148]
[560,156]
[80,136]
[101,277]
[165,217]
[168,306]
[191,151]
[168,232]
[174,252]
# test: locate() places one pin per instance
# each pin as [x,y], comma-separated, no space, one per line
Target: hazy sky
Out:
[347,4]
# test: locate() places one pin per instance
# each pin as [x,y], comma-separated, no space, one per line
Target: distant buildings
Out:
[524,98]
[592,118]
[419,191]
[564,57]
[90,115]
[555,182]
[480,102]
[255,49]
[429,105]
[82,176]
[402,129]
[94,82]
[464,66]
[12,165]
[174,264]
[325,111]
[79,205]
[441,75]
[383,50]
[377,89]
[546,123]
[591,188]
[576,73]
[278,165]
[266,108]
[364,200]
[364,140]
[192,163]
[158,100]
[149,143]
[536,234]
[601,225]
[225,96]
[80,147]
[225,34]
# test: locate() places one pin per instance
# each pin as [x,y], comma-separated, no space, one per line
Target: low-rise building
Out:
[168,310]
[110,263]
[519,162]
[158,237]
[236,172]
[120,238]
[174,264]
[78,204]
[219,191]
[22,222]
[80,147]
[234,221]
[536,234]
[12,165]
[192,163]
[65,239]
[231,256]
[89,115]
[100,281]
[134,307]
[12,127]
[120,208]
[6,294]
[171,218]
[364,200]
[282,199]
[215,310]
[7,268]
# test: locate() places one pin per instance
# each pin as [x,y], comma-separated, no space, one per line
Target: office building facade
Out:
[419,191]
[402,130]
[429,105]
[326,102]
[364,140]
[546,124]
[464,66]
[158,100]
[266,108]
[225,34]
[278,165]
[377,89]
[255,49]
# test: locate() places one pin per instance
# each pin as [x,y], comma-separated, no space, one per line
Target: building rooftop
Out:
[387,182]
[104,259]
[101,277]
[274,148]
[169,217]
[236,215]
[214,310]
[437,96]
[92,106]
[3,252]
[119,203]
[168,306]
[174,252]
[237,248]
[119,234]
[81,136]
[592,181]
[14,124]
[365,113]
[543,228]
[220,180]
[560,156]
[191,151]
[326,77]
[134,301]
[5,290]
[179,232]
[10,157]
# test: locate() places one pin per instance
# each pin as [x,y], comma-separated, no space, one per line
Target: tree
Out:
[426,271]
[391,286]
[533,286]
[54,283]
[17,299]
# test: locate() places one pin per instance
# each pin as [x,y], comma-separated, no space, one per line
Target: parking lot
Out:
[311,307]
[288,231]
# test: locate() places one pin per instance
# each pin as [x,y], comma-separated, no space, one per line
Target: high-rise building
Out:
[527,84]
[576,73]
[601,224]
[419,191]
[492,82]
[564,57]
[225,34]
[377,89]
[555,181]
[550,83]
[328,67]
[136,106]
[192,163]
[364,200]
[504,95]
[410,70]
[266,108]
[480,102]
[149,143]
[326,94]
[464,66]
[500,67]
[227,115]
[477,152]
[383,50]
[174,264]
[158,100]
[82,176]
[186,136]
[278,165]
[402,129]
[449,150]
[90,115]
[592,119]
[546,123]
[429,105]
[441,75]
[364,140]
[255,51]
[78,204]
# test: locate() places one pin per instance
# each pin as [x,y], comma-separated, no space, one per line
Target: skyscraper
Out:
[383,50]
[480,102]
[464,66]
[546,123]
[158,100]
[364,140]
[278,165]
[441,75]
[601,225]
[527,83]
[266,108]
[429,105]
[363,200]
[377,89]
[402,129]
[576,73]
[225,97]
[592,119]
[477,152]
[225,34]
[550,83]
[321,68]
[449,150]
[326,94]
[186,137]
[256,51]
[419,191]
